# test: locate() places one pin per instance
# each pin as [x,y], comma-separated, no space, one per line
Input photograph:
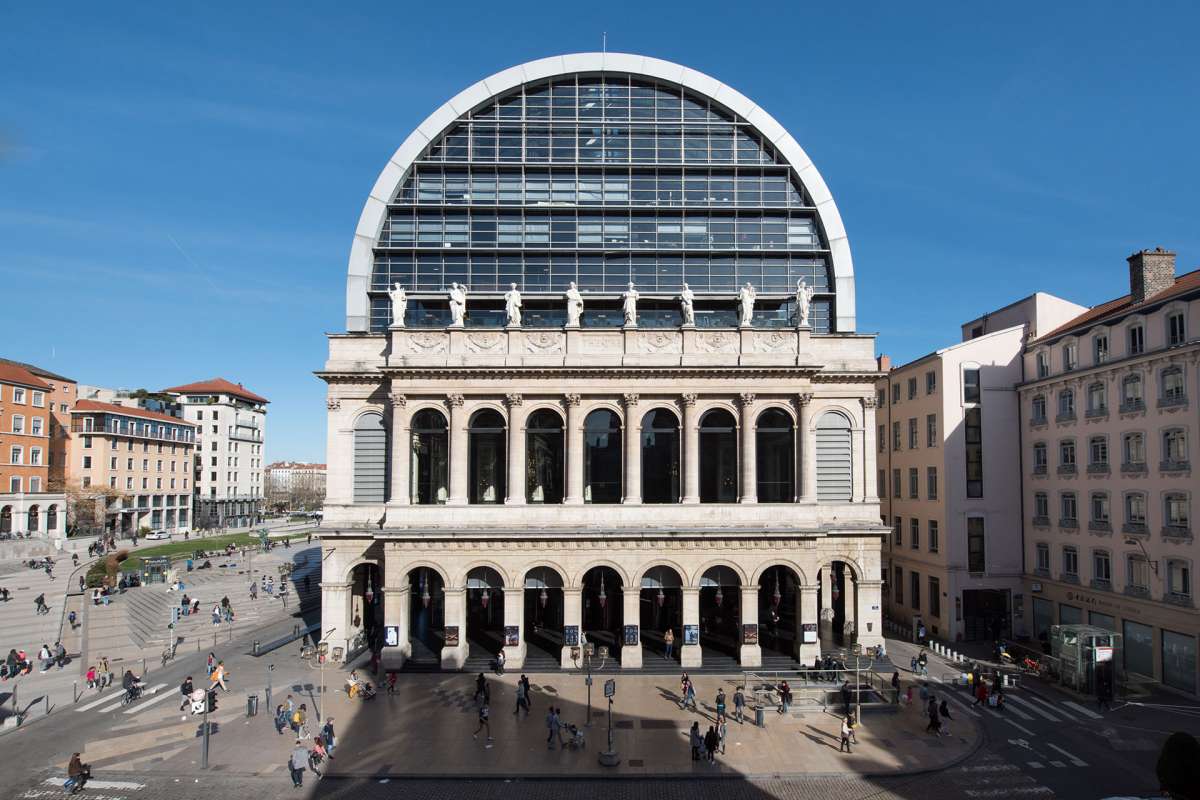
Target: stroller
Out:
[361,690]
[575,738]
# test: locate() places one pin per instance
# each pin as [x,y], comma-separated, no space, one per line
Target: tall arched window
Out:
[429,477]
[602,457]
[660,457]
[775,459]
[487,464]
[6,519]
[834,464]
[544,457]
[32,519]
[718,457]
[370,459]
[52,518]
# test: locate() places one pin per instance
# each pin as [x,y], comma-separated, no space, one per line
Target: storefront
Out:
[1179,661]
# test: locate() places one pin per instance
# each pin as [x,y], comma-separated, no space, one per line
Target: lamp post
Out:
[589,654]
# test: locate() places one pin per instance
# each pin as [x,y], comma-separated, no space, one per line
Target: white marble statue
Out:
[574,305]
[687,304]
[458,304]
[746,296]
[804,296]
[399,304]
[630,298]
[512,305]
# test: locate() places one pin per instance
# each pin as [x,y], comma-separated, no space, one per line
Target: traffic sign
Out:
[610,687]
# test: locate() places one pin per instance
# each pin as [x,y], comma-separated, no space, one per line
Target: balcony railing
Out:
[1102,584]
[1096,413]
[1174,466]
[1177,532]
[1099,468]
[1069,577]
[1133,467]
[1177,599]
[1132,406]
[1067,469]
[1043,572]
[1070,524]
[1041,522]
[1135,529]
[1173,401]
[1037,422]
[1039,469]
[1102,526]
[1133,590]
[1065,416]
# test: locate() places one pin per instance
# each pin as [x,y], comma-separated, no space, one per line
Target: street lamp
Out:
[589,655]
[1130,542]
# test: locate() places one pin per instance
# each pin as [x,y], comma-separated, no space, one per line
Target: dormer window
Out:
[1137,340]
[1100,348]
[1070,356]
[1043,365]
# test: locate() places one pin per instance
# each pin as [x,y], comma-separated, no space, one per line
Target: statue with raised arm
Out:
[629,306]
[574,305]
[399,304]
[458,304]
[687,305]
[746,296]
[804,296]
[512,305]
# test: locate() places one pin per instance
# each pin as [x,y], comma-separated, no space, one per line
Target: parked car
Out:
[156,535]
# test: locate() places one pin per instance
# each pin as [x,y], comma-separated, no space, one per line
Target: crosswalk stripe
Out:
[964,705]
[1057,764]
[103,699]
[1087,712]
[1035,764]
[1035,709]
[93,783]
[1078,762]
[1006,792]
[1020,727]
[120,702]
[1018,712]
[143,705]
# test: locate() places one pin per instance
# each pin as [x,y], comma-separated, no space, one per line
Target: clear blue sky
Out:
[179,183]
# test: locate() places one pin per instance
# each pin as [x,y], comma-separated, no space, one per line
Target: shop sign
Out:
[1103,654]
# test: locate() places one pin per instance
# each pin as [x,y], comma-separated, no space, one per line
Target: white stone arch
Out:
[549,405]
[465,570]
[698,573]
[348,571]
[827,561]
[713,404]
[483,404]
[577,578]
[776,403]
[362,411]
[775,561]
[543,563]
[374,211]
[684,578]
[852,418]
[409,566]
[588,406]
[655,405]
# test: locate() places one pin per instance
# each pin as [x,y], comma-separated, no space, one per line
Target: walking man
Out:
[551,728]
[39,604]
[298,762]
[522,698]
[186,690]
[720,705]
[845,743]
[483,724]
[668,643]
[739,704]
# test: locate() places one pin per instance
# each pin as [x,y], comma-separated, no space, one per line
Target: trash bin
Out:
[251,705]
[760,716]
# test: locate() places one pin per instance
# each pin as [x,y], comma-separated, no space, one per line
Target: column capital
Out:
[398,400]
[333,403]
[746,399]
[869,402]
[396,590]
[571,400]
[804,398]
[455,400]
[689,399]
[513,400]
[630,399]
[336,585]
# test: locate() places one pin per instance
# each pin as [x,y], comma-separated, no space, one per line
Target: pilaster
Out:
[807,615]
[454,656]
[691,450]
[632,461]
[400,450]
[631,654]
[806,444]
[689,654]
[574,442]
[515,450]
[870,449]
[749,479]
[750,654]
[514,616]
[458,449]
[572,618]
[869,616]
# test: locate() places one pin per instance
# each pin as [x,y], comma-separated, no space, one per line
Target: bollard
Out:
[47,698]
[75,691]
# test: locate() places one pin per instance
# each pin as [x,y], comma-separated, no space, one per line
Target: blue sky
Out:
[179,185]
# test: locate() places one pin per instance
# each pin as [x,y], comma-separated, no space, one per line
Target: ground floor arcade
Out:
[645,599]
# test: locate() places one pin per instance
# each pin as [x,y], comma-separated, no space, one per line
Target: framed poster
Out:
[810,633]
[750,633]
[631,635]
[512,635]
[451,636]
[691,634]
[571,635]
[391,635]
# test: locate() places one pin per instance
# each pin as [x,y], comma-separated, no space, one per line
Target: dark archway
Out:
[32,519]
[836,590]
[775,457]
[779,632]
[366,607]
[485,612]
[427,618]
[720,613]
[486,481]
[718,457]
[544,464]
[543,618]
[660,457]
[603,609]
[602,457]
[6,517]
[430,475]
[661,604]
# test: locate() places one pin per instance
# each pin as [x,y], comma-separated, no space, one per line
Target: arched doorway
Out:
[602,457]
[718,457]
[543,618]
[661,604]
[720,613]
[544,457]
[427,617]
[6,516]
[487,465]
[366,608]
[603,609]
[429,481]
[779,624]
[485,612]
[775,459]
[52,519]
[32,519]
[660,457]
[837,593]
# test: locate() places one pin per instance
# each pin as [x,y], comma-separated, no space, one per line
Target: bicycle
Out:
[169,653]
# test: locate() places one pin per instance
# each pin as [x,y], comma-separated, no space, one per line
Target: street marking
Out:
[1057,764]
[1035,764]
[1035,709]
[989,768]
[1078,762]
[1006,792]
[1020,727]
[98,784]
[103,699]
[142,706]
[1019,713]
[963,704]
[121,701]
[1087,712]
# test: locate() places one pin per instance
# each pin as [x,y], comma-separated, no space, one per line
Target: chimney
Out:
[1150,272]
[885,363]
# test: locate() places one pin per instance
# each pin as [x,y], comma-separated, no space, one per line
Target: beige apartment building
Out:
[1108,421]
[947,480]
[142,457]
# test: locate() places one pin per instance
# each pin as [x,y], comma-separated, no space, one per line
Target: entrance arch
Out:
[780,631]
[485,611]
[837,601]
[603,609]
[661,609]
[427,617]
[718,457]
[6,519]
[32,519]
[366,608]
[543,616]
[720,613]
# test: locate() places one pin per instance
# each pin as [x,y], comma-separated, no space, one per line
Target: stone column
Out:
[806,444]
[856,461]
[869,616]
[458,450]
[850,600]
[515,485]
[870,448]
[514,615]
[807,615]
[631,654]
[572,616]
[689,654]
[454,656]
[691,451]
[396,605]
[400,450]
[750,655]
[574,442]
[335,614]
[749,476]
[633,450]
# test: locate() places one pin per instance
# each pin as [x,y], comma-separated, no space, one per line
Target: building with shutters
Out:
[596,475]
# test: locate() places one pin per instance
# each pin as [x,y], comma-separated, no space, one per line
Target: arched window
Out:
[370,459]
[6,519]
[602,457]
[718,457]
[488,467]
[32,518]
[429,476]
[660,457]
[834,462]
[544,457]
[52,518]
[775,459]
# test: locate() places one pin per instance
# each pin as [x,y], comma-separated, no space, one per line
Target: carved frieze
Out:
[717,342]
[484,342]
[427,344]
[602,344]
[333,403]
[544,343]
[659,342]
[774,341]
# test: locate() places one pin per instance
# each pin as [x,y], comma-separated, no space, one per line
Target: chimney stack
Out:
[884,363]
[1150,272]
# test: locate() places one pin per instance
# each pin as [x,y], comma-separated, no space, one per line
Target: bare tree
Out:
[87,507]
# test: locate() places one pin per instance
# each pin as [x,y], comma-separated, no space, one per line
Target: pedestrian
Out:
[896,685]
[328,737]
[281,721]
[254,590]
[846,697]
[668,643]
[291,706]
[391,682]
[45,657]
[683,684]
[218,677]
[522,699]
[483,724]
[316,756]
[82,587]
[934,723]
[480,685]
[216,614]
[690,698]
[300,718]
[908,699]
[923,663]
[710,744]
[696,740]
[524,681]
[91,676]
[944,710]
[785,697]
[846,731]
[720,705]
[39,604]
[77,773]
[297,763]
[196,606]
[500,661]
[852,721]
[981,694]
[60,655]
[186,688]
[739,704]
[723,733]
[551,728]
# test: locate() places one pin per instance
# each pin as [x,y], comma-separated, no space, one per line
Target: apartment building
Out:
[26,503]
[143,458]
[60,400]
[1109,416]
[948,476]
[230,425]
